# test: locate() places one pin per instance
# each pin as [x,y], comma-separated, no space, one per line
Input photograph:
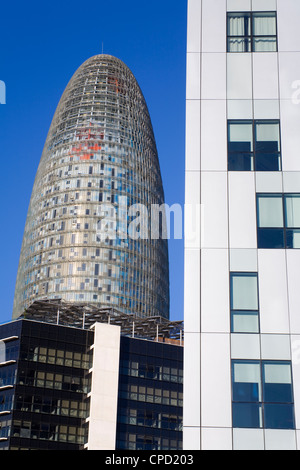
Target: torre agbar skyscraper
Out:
[242,267]
[100,159]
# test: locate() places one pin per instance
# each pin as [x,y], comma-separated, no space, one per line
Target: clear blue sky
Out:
[42,45]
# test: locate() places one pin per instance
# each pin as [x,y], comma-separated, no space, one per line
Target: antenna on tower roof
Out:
[102,47]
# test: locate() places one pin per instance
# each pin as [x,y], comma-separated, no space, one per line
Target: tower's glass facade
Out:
[99,160]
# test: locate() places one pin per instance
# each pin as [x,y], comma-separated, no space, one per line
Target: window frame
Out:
[250,40]
[254,154]
[262,404]
[285,231]
[239,311]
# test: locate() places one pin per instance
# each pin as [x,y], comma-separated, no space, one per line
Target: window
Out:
[254,145]
[262,394]
[278,220]
[252,32]
[244,303]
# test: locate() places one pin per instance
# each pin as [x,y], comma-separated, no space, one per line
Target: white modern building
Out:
[242,269]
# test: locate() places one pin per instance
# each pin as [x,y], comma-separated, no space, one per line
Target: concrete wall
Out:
[104,388]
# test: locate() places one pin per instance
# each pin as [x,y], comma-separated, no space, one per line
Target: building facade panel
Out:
[214,207]
[104,388]
[215,439]
[193,118]
[213,27]
[213,115]
[214,276]
[194,32]
[213,65]
[192,383]
[273,293]
[288,37]
[239,76]
[215,400]
[265,76]
[192,281]
[242,210]
[248,314]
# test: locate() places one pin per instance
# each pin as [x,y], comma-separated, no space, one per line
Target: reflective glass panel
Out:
[239,24]
[239,44]
[264,44]
[244,295]
[240,146]
[245,322]
[267,146]
[246,382]
[270,211]
[247,415]
[252,32]
[264,24]
[241,136]
[293,239]
[270,238]
[279,416]
[264,29]
[262,394]
[277,383]
[292,209]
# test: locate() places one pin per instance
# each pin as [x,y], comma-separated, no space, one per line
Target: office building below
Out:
[94,380]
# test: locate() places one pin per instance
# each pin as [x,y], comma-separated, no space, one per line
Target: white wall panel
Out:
[293,270]
[269,182]
[192,291]
[191,412]
[194,26]
[193,135]
[213,135]
[288,13]
[104,388]
[295,340]
[291,182]
[191,438]
[239,76]
[272,277]
[298,439]
[239,109]
[289,76]
[192,187]
[216,439]
[245,346]
[265,76]
[213,68]
[276,347]
[266,109]
[290,135]
[216,370]
[264,5]
[277,439]
[215,316]
[239,5]
[248,439]
[214,26]
[243,260]
[192,219]
[214,210]
[193,76]
[242,210]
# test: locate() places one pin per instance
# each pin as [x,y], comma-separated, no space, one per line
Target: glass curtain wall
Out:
[100,159]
